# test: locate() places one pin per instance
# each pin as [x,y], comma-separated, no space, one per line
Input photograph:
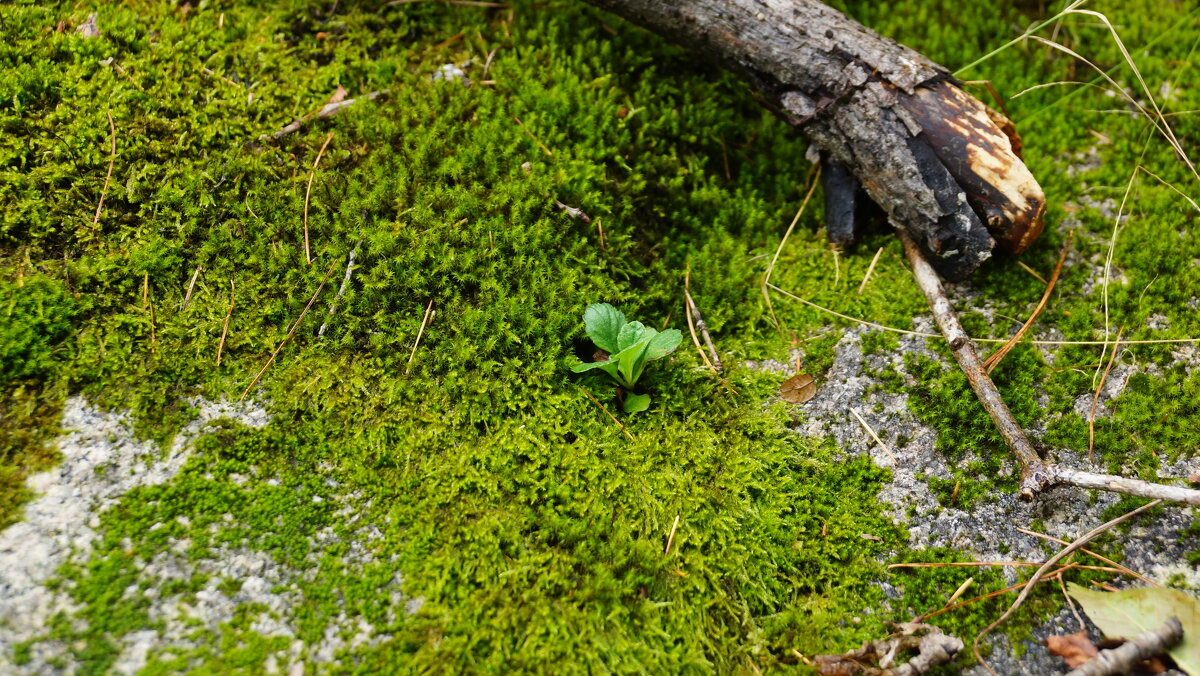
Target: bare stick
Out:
[870,269]
[1096,398]
[112,128]
[291,331]
[1033,470]
[225,326]
[1078,544]
[614,418]
[999,354]
[187,297]
[341,290]
[671,537]
[1057,474]
[700,325]
[420,332]
[1123,659]
[308,191]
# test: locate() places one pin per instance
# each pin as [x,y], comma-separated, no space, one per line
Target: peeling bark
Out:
[924,150]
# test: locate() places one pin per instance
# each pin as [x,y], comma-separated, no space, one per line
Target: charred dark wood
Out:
[924,150]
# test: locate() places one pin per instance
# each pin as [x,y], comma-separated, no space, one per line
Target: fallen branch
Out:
[1036,474]
[1123,659]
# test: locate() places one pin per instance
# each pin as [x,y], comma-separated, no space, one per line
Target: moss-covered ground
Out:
[533,526]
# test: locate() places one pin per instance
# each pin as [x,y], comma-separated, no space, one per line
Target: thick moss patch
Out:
[532,526]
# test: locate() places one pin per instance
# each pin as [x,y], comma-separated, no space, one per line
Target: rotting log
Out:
[937,160]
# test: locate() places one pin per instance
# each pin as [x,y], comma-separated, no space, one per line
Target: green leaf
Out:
[636,402]
[663,344]
[603,323]
[631,360]
[609,367]
[633,333]
[1129,613]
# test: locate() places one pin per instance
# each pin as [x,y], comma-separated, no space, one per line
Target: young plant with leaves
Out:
[629,346]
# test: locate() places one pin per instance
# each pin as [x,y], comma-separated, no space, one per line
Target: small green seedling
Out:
[629,346]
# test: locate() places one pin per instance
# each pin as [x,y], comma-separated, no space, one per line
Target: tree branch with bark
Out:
[889,122]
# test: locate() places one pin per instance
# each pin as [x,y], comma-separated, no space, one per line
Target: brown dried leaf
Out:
[339,95]
[1075,649]
[798,389]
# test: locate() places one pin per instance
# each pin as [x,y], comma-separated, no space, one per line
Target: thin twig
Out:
[308,191]
[602,408]
[327,110]
[187,297]
[1094,555]
[112,128]
[420,332]
[225,326]
[870,269]
[291,330]
[1004,564]
[1077,544]
[1123,659]
[874,436]
[994,359]
[700,325]
[1032,467]
[1036,475]
[341,291]
[671,537]
[1099,389]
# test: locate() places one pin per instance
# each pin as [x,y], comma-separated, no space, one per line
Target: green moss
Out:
[532,527]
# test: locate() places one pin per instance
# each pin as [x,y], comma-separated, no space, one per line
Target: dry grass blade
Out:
[813,174]
[1031,271]
[530,135]
[187,297]
[1078,544]
[870,269]
[977,599]
[291,330]
[1096,397]
[874,436]
[1127,571]
[112,158]
[614,418]
[308,192]
[923,334]
[671,537]
[994,360]
[225,325]
[420,332]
